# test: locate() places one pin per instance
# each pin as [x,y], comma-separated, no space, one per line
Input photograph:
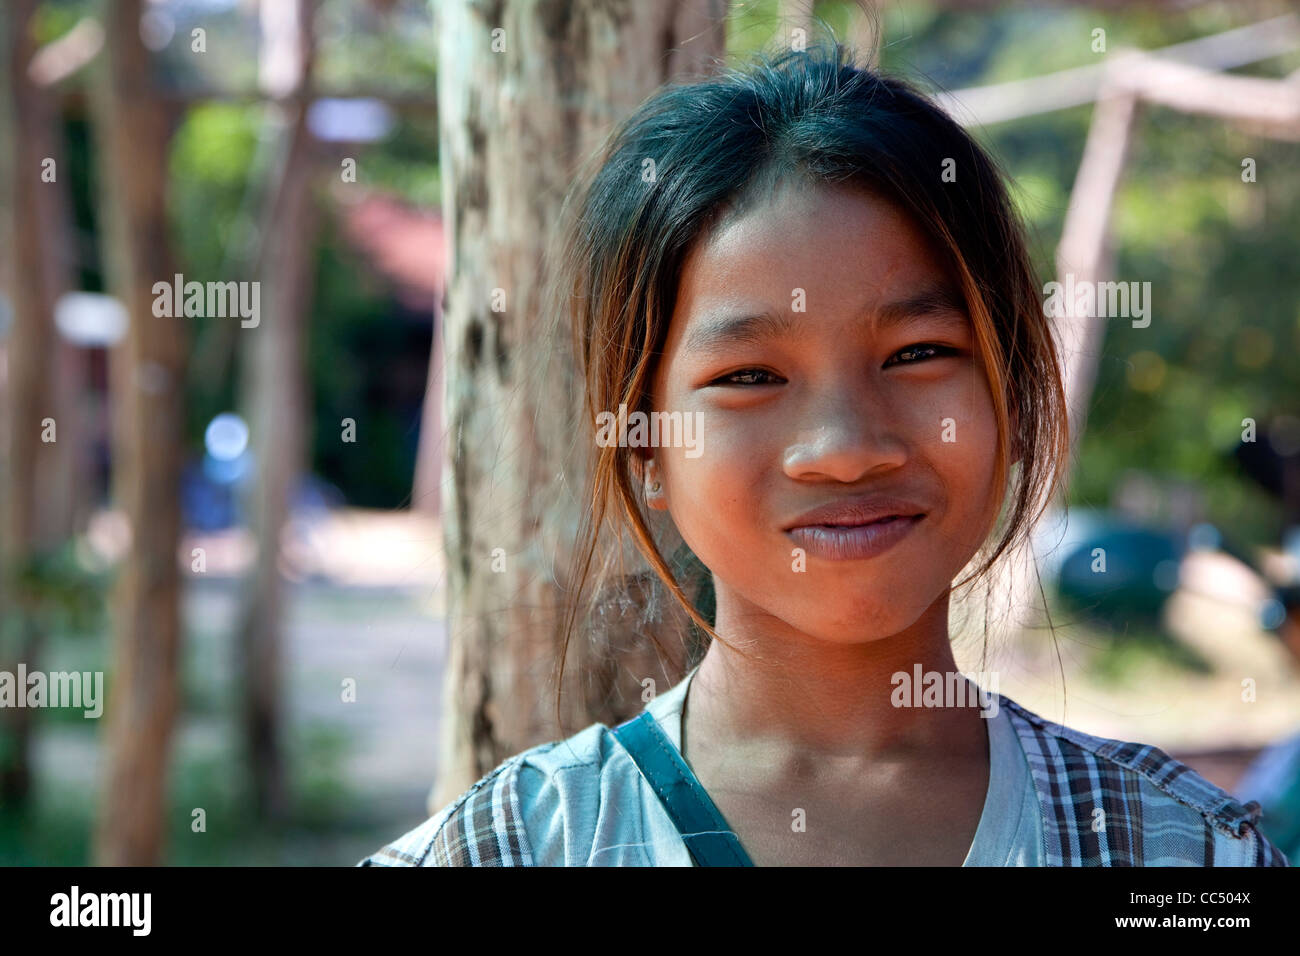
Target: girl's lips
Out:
[857,510]
[856,542]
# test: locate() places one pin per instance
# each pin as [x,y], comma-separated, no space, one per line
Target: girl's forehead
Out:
[810,236]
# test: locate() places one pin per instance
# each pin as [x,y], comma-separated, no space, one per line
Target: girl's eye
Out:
[915,354]
[748,374]
[922,349]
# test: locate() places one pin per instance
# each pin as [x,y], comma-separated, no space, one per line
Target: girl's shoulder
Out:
[559,803]
[1110,802]
[556,804]
[486,825]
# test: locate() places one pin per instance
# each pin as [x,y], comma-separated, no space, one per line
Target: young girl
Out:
[824,272]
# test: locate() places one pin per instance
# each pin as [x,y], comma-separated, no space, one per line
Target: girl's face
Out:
[830,358]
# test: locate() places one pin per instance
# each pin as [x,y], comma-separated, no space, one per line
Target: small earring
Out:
[654,488]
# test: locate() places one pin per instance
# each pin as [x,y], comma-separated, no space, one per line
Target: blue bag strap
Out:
[709,839]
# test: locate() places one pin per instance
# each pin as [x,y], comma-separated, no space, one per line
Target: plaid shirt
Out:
[1103,803]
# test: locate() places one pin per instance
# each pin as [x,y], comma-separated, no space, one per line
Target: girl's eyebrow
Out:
[715,334]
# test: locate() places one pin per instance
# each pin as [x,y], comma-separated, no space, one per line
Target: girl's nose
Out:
[845,434]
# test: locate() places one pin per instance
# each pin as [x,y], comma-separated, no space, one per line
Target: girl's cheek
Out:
[962,415]
[722,483]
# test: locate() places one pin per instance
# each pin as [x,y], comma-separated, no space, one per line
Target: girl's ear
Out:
[646,471]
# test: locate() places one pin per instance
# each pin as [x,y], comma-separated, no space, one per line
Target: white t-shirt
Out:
[585,803]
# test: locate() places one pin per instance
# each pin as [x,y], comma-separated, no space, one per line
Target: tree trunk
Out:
[41,496]
[426,492]
[31,474]
[515,123]
[275,396]
[29,398]
[147,382]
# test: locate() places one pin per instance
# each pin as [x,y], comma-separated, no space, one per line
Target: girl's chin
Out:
[854,628]
[854,637]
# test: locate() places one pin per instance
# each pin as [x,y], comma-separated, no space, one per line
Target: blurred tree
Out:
[525,90]
[148,377]
[275,389]
[39,488]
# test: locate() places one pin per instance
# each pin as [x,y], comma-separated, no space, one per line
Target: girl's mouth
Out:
[855,541]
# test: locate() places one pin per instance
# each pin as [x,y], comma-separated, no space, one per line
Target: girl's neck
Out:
[797,698]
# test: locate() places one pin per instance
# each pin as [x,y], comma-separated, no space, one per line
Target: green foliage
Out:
[54,590]
[750,26]
[215,171]
[1121,659]
[1221,346]
[375,471]
[406,163]
[218,172]
[1223,337]
[353,37]
[52,20]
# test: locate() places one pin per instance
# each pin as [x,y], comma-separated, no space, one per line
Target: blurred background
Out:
[259,531]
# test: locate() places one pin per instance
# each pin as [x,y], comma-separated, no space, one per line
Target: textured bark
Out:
[276,402]
[514,126]
[147,379]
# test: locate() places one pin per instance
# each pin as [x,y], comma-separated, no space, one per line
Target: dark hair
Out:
[713,145]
